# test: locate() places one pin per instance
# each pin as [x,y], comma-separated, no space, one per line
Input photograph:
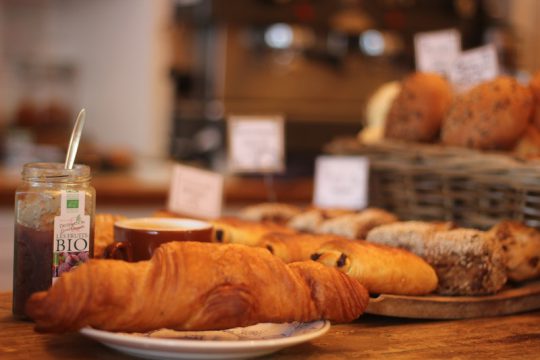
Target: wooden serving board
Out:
[508,301]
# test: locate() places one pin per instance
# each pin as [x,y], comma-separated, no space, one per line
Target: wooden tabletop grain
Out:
[370,337]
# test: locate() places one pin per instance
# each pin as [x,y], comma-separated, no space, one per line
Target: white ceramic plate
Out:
[237,343]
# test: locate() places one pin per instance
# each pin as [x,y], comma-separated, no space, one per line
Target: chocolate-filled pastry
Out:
[269,212]
[196,286]
[521,247]
[310,220]
[492,115]
[294,247]
[381,269]
[229,230]
[418,110]
[356,226]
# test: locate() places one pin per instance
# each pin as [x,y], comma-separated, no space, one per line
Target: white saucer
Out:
[237,343]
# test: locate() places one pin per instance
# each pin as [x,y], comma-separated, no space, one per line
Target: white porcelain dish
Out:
[237,343]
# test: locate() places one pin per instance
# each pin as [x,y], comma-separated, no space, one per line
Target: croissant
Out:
[196,286]
[381,269]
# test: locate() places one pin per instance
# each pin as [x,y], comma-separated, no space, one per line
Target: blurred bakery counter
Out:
[128,188]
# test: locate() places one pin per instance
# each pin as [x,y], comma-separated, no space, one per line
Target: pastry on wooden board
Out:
[418,110]
[196,286]
[521,248]
[492,115]
[381,269]
[358,225]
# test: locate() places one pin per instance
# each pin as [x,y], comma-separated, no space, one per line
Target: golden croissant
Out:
[196,286]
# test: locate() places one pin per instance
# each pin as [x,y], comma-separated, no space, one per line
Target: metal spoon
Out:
[74,141]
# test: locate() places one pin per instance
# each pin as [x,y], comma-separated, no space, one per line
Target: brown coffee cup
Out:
[136,239]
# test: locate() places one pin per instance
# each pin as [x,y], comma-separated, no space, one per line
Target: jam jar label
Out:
[71,233]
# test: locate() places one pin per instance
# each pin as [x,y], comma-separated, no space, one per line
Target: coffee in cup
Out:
[136,239]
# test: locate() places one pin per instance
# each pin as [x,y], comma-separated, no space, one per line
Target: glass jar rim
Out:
[55,172]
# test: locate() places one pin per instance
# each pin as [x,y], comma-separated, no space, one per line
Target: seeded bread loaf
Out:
[418,110]
[492,115]
[467,262]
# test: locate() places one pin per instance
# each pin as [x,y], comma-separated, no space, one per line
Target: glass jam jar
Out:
[54,227]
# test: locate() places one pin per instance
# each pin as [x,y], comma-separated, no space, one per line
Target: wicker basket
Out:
[431,182]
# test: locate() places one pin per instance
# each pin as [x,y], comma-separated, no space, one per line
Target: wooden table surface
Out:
[370,337]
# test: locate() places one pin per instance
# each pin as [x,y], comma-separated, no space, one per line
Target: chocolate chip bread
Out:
[492,115]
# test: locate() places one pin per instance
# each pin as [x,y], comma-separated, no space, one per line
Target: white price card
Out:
[473,67]
[341,182]
[195,192]
[435,51]
[256,144]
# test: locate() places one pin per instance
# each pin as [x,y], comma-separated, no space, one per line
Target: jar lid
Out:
[55,172]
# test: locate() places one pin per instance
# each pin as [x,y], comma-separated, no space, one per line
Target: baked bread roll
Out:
[521,248]
[269,212]
[409,235]
[310,220]
[230,230]
[294,247]
[381,269]
[104,232]
[356,226]
[196,286]
[467,262]
[535,88]
[418,110]
[492,115]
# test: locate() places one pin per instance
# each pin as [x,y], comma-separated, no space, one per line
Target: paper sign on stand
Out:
[256,144]
[195,192]
[341,182]
[436,51]
[473,67]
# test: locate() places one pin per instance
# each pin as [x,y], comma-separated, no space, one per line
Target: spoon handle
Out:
[74,141]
